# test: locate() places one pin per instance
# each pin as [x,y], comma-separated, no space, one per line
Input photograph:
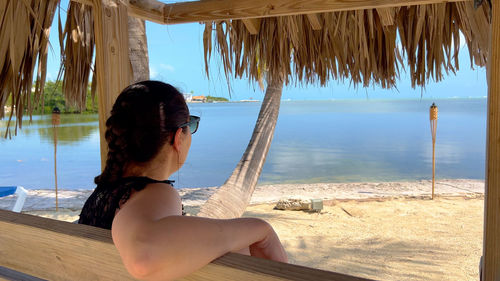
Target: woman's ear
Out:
[178,139]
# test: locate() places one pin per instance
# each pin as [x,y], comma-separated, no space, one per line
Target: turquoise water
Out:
[315,141]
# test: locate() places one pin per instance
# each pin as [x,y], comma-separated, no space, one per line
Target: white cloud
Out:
[167,67]
[153,72]
[158,71]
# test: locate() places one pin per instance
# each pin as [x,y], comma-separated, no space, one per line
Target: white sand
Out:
[388,239]
[44,199]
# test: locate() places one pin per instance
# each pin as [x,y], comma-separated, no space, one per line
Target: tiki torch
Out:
[433,118]
[56,120]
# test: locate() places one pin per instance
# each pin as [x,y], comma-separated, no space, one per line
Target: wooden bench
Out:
[34,247]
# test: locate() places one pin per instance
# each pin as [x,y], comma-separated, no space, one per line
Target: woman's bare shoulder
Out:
[154,202]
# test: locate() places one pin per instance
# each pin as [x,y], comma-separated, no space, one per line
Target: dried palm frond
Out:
[24,32]
[77,53]
[363,46]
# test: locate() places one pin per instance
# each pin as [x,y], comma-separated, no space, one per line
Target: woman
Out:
[149,136]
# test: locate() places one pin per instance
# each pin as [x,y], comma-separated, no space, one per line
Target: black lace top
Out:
[100,208]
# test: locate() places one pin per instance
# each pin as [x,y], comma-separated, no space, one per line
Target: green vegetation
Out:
[212,99]
[54,97]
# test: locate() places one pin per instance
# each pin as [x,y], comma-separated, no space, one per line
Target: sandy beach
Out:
[384,231]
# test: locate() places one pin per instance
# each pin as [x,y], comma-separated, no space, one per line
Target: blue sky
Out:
[176,57]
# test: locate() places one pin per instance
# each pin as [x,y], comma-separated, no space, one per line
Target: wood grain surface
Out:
[57,250]
[113,68]
[491,248]
[216,10]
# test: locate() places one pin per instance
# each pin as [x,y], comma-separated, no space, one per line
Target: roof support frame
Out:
[216,10]
[112,60]
[491,240]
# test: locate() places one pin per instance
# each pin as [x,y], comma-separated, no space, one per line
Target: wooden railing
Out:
[34,247]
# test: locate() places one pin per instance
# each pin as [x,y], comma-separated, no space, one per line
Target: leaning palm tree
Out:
[138,49]
[232,198]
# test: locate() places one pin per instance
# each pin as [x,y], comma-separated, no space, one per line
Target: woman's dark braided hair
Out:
[144,117]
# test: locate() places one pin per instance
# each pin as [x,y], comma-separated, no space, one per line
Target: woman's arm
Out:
[157,243]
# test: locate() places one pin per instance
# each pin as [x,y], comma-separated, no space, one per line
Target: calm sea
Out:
[315,141]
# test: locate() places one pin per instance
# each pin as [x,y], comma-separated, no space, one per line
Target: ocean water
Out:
[315,141]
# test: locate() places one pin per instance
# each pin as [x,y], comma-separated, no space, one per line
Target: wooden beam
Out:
[113,67]
[212,10]
[85,2]
[491,245]
[216,10]
[252,25]
[56,250]
[151,10]
[314,21]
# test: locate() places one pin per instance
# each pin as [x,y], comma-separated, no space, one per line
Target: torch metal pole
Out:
[56,120]
[433,118]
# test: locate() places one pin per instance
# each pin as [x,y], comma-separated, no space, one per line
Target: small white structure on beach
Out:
[188,97]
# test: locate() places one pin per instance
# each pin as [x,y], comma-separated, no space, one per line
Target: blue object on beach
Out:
[7,190]
[21,195]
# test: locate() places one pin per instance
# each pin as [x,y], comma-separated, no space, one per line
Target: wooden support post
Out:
[491,244]
[314,21]
[252,25]
[112,59]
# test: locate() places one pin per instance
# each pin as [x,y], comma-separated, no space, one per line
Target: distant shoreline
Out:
[364,99]
[236,101]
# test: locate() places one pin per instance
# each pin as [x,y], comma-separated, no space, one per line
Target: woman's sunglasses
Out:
[193,123]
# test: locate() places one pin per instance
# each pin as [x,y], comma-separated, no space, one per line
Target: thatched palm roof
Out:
[24,42]
[77,53]
[24,32]
[363,46]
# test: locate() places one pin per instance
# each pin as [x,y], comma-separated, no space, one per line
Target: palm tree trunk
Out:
[232,198]
[138,49]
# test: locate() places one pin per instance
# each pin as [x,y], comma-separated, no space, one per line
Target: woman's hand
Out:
[245,251]
[269,248]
